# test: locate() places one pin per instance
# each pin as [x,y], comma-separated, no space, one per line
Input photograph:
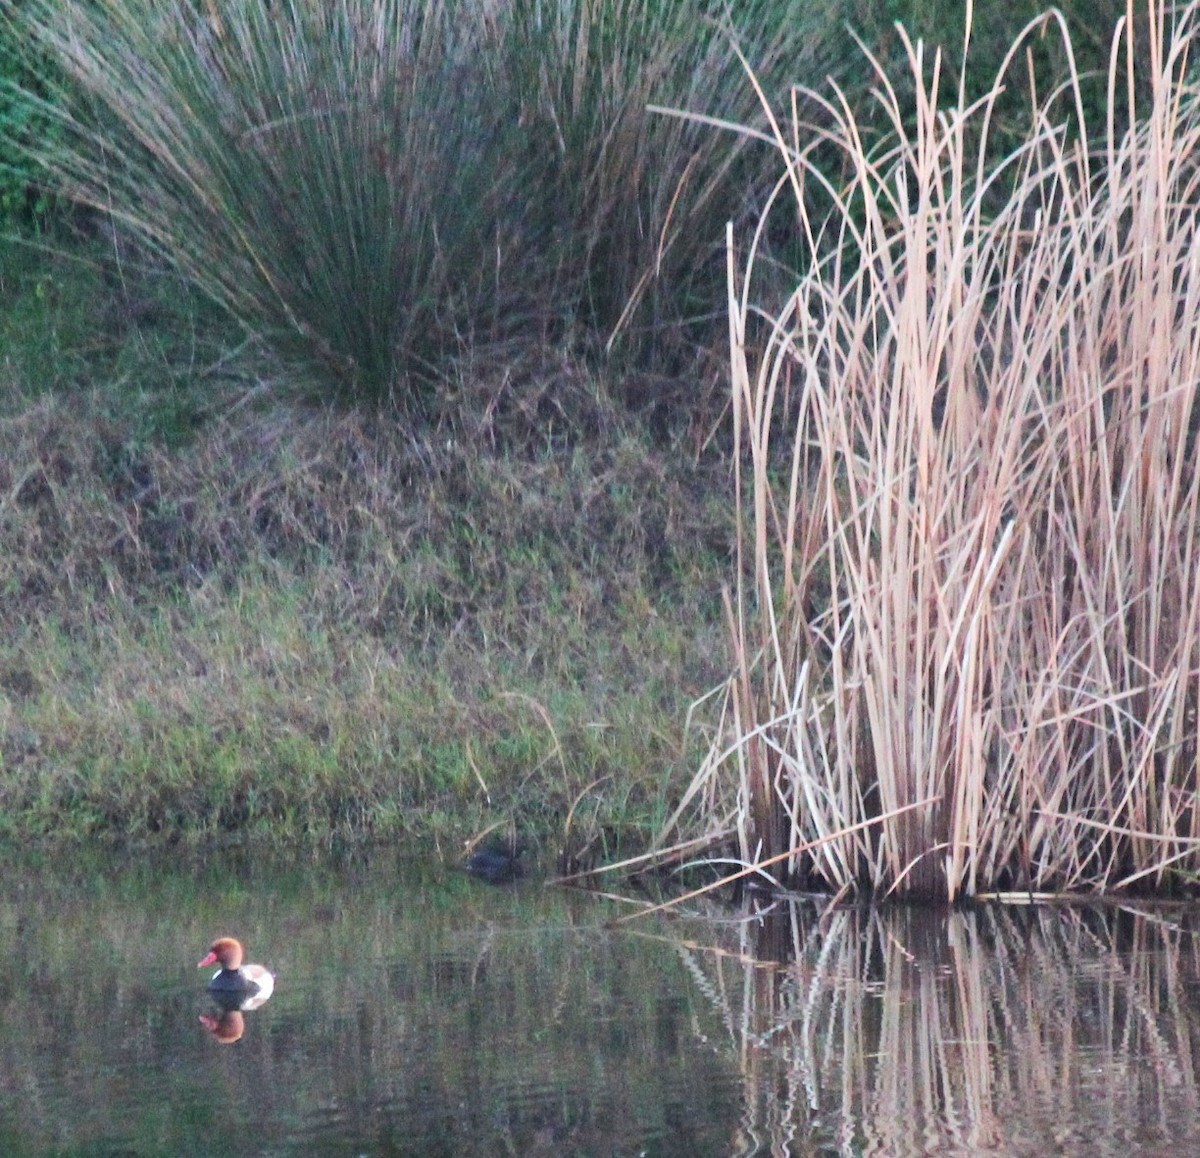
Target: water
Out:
[420,1012]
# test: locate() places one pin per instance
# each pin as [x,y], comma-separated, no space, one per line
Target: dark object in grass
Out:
[498,864]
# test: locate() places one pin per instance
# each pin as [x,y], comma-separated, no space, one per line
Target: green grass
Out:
[225,715]
[375,204]
[280,618]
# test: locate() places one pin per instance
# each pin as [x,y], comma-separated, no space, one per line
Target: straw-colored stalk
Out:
[969,567]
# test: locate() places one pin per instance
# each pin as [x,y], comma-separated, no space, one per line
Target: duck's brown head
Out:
[224,951]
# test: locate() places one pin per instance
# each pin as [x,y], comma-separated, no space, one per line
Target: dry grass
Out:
[304,622]
[968,465]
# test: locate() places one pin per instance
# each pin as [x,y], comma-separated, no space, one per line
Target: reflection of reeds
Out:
[997,1030]
[968,564]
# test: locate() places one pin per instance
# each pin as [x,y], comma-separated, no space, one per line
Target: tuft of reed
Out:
[638,196]
[331,174]
[377,184]
[966,624]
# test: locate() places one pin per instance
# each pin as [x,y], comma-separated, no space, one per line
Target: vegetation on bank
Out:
[376,186]
[470,570]
[967,633]
[226,612]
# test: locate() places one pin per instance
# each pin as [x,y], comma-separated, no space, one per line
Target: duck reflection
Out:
[226,1026]
[226,1022]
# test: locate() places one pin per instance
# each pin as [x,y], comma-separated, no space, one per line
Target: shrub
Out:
[624,104]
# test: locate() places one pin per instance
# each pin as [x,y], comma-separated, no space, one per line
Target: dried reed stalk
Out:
[968,567]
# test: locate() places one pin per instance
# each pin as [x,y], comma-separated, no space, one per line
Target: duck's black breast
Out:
[233,981]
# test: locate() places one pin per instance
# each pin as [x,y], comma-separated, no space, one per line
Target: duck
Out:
[497,863]
[242,986]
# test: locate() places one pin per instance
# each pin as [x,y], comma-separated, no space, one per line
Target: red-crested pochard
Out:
[234,979]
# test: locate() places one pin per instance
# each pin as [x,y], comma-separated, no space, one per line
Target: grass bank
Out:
[963,366]
[225,610]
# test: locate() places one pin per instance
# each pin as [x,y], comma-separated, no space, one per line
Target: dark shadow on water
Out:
[418,1011]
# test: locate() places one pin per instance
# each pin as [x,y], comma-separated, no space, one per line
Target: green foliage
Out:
[621,103]
[375,185]
[1042,65]
[23,122]
[46,316]
[74,315]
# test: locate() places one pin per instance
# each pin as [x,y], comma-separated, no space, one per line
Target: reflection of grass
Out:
[436,1014]
[992,1030]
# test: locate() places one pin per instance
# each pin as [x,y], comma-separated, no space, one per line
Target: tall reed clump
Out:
[334,174]
[636,198]
[966,623]
[375,184]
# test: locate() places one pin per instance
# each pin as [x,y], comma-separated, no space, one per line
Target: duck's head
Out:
[224,951]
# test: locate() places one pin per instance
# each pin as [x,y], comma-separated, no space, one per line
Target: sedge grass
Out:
[642,198]
[329,173]
[376,184]
[970,549]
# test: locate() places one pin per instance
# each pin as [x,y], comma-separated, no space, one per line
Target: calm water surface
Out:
[419,1012]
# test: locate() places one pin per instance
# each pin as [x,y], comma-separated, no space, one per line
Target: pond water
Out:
[418,1011]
